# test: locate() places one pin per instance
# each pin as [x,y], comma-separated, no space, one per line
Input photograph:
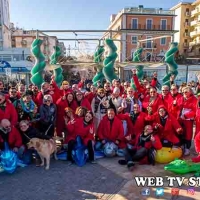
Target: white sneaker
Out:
[186,152]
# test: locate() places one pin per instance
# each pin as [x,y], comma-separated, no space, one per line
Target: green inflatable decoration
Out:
[108,69]
[38,69]
[182,166]
[98,59]
[139,68]
[172,65]
[58,71]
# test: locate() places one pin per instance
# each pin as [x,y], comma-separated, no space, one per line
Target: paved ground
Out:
[105,180]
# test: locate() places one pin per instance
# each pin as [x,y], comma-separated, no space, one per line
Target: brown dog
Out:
[44,148]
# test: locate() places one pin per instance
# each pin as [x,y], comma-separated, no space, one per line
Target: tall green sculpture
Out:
[139,68]
[172,65]
[38,69]
[58,71]
[109,61]
[98,57]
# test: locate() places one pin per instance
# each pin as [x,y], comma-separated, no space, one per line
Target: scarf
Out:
[27,107]
[143,139]
[163,120]
[134,116]
[3,105]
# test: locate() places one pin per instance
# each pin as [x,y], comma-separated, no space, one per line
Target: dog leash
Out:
[48,129]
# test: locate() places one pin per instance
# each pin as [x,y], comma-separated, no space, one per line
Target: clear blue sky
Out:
[73,14]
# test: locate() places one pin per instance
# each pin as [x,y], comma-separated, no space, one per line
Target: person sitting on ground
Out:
[9,134]
[143,150]
[83,127]
[110,130]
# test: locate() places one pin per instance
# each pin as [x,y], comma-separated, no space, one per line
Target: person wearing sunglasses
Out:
[80,100]
[151,102]
[47,112]
[12,94]
[10,134]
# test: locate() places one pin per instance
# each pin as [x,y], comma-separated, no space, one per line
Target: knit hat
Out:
[65,83]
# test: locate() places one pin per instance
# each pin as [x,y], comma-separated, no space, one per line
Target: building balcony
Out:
[194,33]
[186,24]
[186,34]
[192,43]
[195,12]
[193,23]
[187,14]
[147,11]
[151,28]
[185,44]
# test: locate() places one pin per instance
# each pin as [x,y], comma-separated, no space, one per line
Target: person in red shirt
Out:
[11,135]
[197,118]
[84,128]
[7,110]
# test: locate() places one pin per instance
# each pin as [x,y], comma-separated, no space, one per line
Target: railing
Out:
[186,34]
[193,23]
[148,11]
[153,27]
[187,14]
[196,11]
[194,33]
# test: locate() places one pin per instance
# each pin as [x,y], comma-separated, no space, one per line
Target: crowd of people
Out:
[137,120]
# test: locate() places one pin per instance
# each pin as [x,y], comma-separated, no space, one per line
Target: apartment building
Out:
[23,39]
[139,23]
[195,30]
[182,23]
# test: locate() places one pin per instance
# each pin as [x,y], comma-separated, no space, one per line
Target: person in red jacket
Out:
[151,102]
[197,118]
[167,127]
[166,96]
[197,147]
[110,130]
[80,100]
[11,135]
[7,110]
[136,121]
[65,88]
[84,128]
[143,151]
[61,104]
[175,95]
[186,109]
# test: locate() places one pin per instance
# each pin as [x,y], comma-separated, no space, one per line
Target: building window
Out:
[149,24]
[163,41]
[163,24]
[134,23]
[134,39]
[149,42]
